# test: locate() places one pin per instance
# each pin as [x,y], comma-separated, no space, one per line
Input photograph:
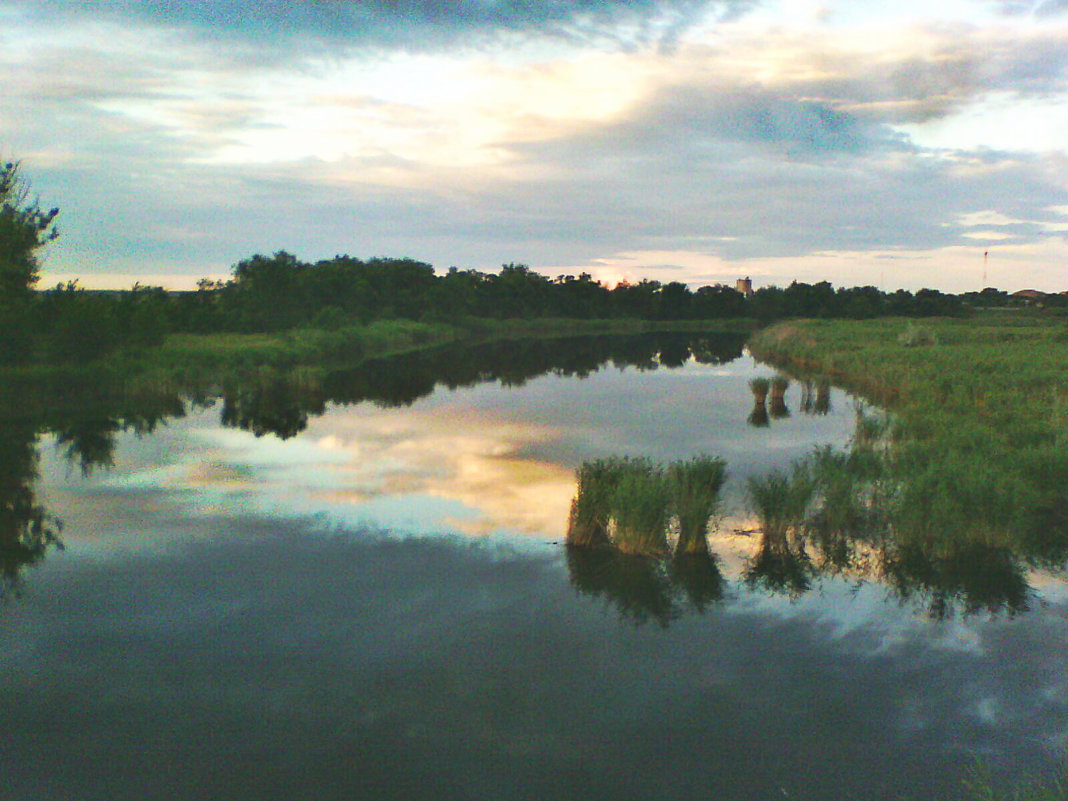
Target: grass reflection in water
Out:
[832,514]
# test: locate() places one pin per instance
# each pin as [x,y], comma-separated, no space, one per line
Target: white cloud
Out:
[777,136]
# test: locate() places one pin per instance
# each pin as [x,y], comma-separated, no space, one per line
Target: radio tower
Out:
[986,255]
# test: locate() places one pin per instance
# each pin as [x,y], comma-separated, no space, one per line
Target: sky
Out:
[890,144]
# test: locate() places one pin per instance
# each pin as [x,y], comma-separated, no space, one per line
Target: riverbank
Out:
[195,364]
[980,414]
[349,345]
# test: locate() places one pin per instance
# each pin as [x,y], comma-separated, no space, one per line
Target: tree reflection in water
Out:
[26,529]
[88,413]
[84,433]
[279,404]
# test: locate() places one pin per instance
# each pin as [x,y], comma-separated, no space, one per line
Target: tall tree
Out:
[24,230]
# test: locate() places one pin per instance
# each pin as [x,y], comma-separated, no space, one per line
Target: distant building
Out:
[745,286]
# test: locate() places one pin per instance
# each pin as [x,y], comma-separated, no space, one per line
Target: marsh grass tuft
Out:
[628,503]
[781,499]
[640,502]
[695,496]
[759,387]
[591,509]
[779,385]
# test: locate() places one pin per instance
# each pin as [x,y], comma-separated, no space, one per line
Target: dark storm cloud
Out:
[408,24]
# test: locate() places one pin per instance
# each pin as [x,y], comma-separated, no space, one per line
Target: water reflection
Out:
[271,404]
[758,418]
[451,655]
[837,514]
[833,515]
[281,405]
[27,530]
[815,396]
[87,416]
[778,410]
[644,589]
[769,399]
[86,438]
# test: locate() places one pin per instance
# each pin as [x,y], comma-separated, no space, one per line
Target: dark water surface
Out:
[357,590]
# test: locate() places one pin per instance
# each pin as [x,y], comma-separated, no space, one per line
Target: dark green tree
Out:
[78,326]
[24,229]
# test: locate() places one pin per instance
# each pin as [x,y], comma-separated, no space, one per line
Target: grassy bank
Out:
[980,415]
[384,338]
[200,364]
[201,356]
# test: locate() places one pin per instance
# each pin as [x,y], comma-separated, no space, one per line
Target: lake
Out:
[356,586]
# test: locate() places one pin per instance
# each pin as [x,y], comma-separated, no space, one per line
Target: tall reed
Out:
[695,494]
[759,387]
[591,508]
[781,499]
[779,385]
[640,503]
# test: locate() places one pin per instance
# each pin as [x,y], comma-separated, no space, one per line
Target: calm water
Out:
[358,590]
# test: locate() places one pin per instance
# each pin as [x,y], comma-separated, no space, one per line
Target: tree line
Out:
[272,293]
[279,292]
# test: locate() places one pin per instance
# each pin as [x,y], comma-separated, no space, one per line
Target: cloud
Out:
[170,149]
[414,25]
[1039,8]
[1051,8]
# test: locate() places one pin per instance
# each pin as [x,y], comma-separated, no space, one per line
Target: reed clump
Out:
[591,508]
[628,503]
[781,499]
[759,387]
[640,502]
[695,495]
[779,385]
[758,418]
